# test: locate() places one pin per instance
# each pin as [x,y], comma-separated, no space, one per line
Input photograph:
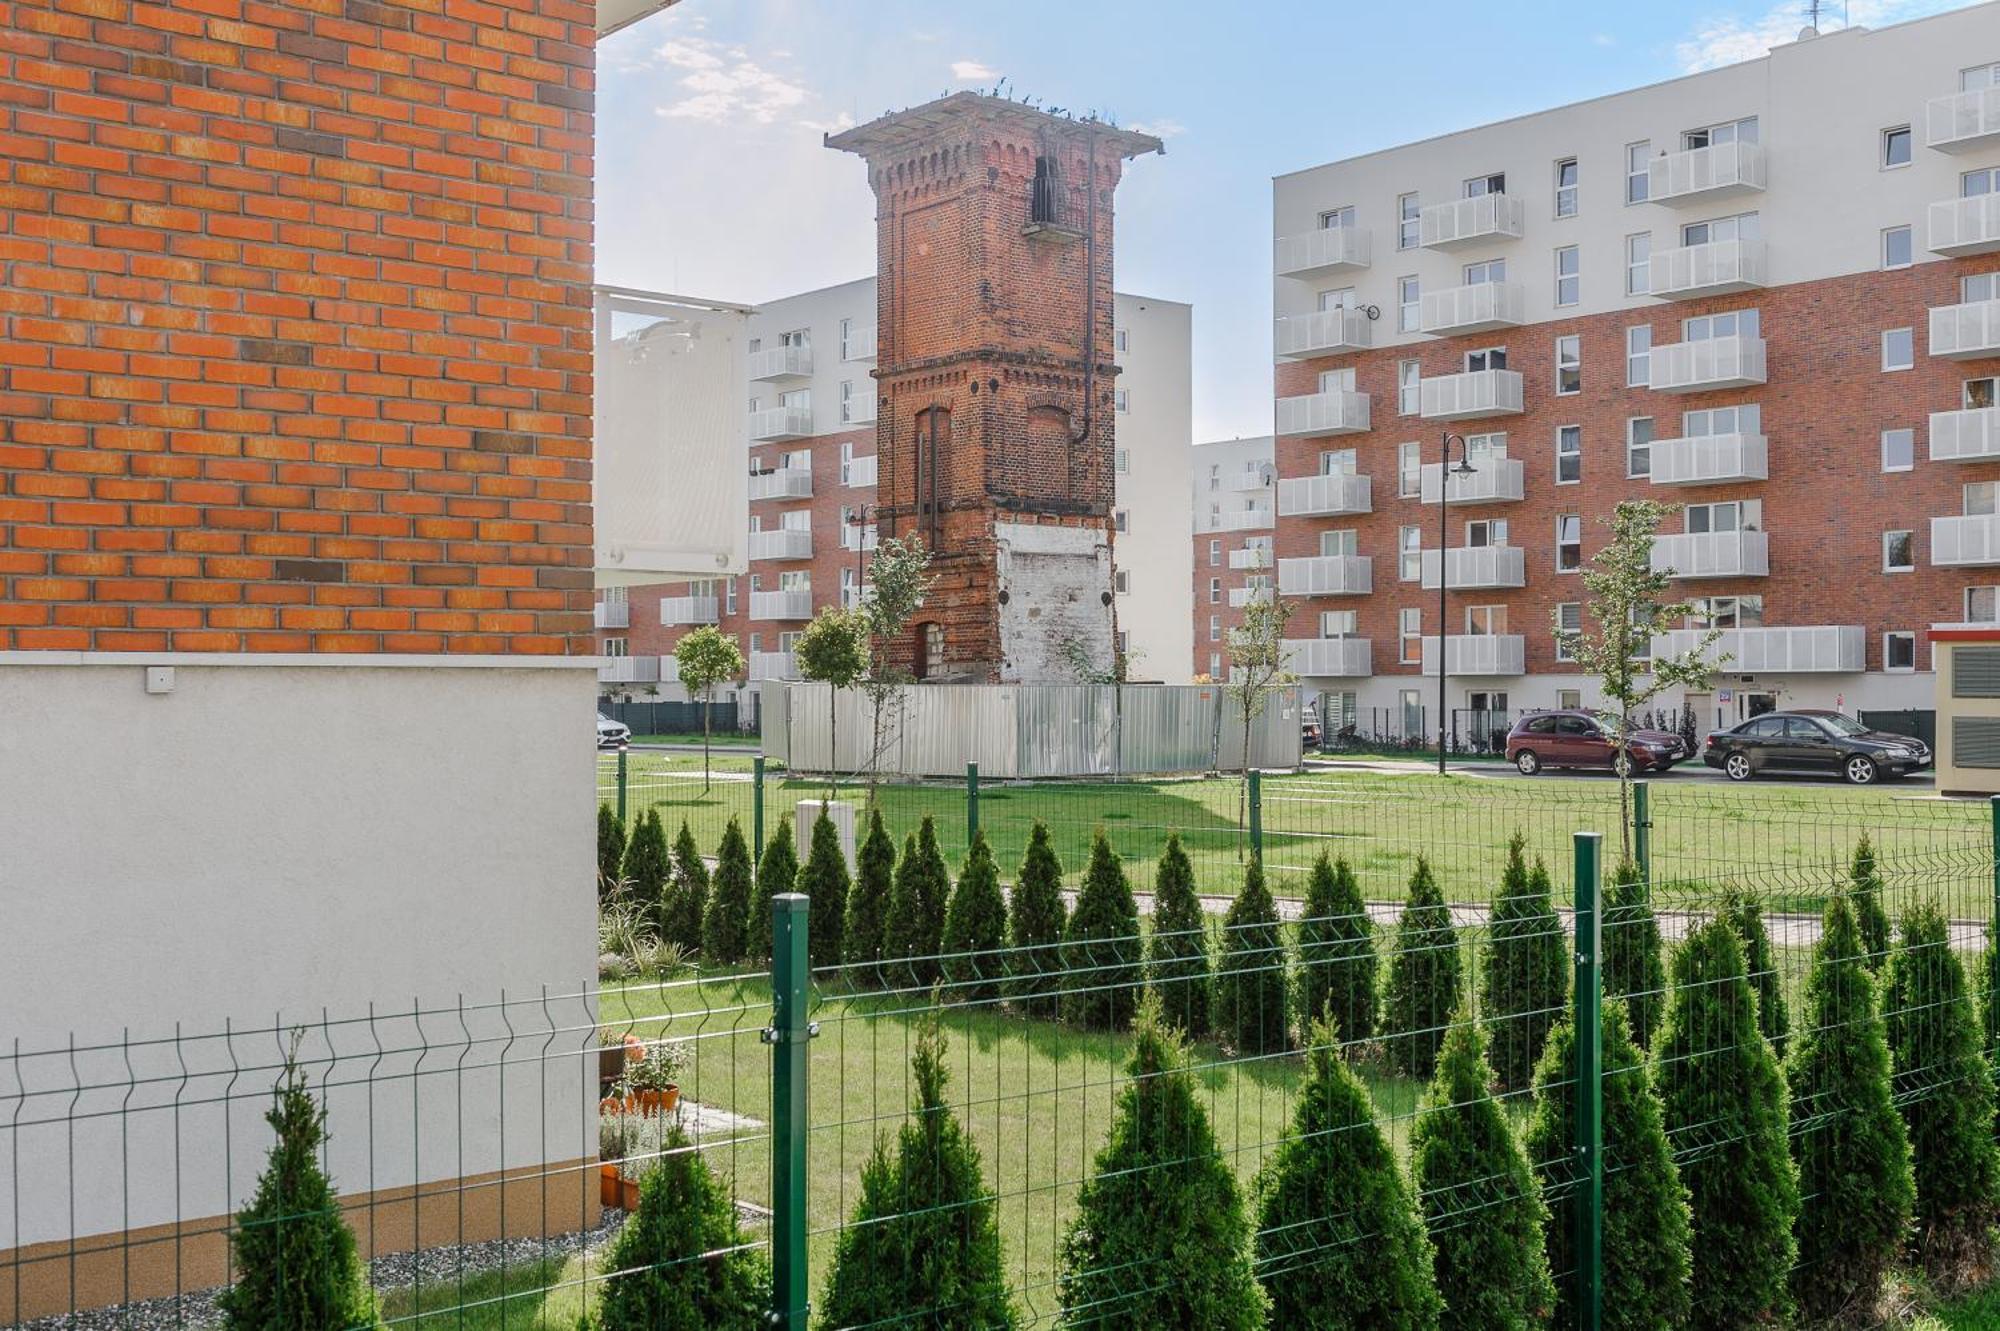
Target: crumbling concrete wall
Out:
[1055,602]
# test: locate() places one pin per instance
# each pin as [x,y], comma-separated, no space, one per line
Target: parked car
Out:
[612,734]
[1811,740]
[1582,739]
[1309,726]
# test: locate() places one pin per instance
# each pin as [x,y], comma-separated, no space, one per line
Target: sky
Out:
[713,181]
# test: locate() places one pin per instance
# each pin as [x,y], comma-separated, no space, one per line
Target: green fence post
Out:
[1589,1145]
[971,803]
[788,1035]
[1257,813]
[757,807]
[1642,830]
[621,785]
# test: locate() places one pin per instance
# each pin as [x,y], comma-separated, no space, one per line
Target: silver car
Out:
[612,734]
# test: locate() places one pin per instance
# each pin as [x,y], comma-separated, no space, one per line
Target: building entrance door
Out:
[1751,703]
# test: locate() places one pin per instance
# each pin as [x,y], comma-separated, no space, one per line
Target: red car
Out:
[1580,739]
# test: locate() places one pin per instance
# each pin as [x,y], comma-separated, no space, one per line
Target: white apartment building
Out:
[1233,489]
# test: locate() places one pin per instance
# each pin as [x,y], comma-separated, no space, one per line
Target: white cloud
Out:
[1159,129]
[972,71]
[723,83]
[1603,39]
[1728,39]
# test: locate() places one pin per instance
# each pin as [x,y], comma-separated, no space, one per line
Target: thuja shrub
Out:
[1338,968]
[682,1259]
[824,879]
[1864,893]
[1425,978]
[726,926]
[647,865]
[862,938]
[1177,962]
[610,852]
[975,927]
[1101,971]
[1340,1242]
[1252,991]
[1036,920]
[916,907]
[778,866]
[1525,977]
[1745,914]
[1635,969]
[687,893]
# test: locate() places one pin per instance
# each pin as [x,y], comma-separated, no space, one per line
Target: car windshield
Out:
[1842,725]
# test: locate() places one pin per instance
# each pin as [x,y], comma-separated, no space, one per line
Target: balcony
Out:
[1242,596]
[1703,175]
[1492,481]
[858,410]
[854,537]
[1713,554]
[1959,227]
[1491,654]
[1963,121]
[1247,480]
[1966,332]
[1324,250]
[782,543]
[859,474]
[1472,309]
[1809,649]
[1965,436]
[784,483]
[1461,397]
[612,614]
[1323,413]
[629,670]
[1710,459]
[1461,222]
[1325,496]
[1250,557]
[1708,364]
[1706,270]
[773,665]
[1477,567]
[1322,333]
[1327,575]
[784,604]
[772,423]
[1331,658]
[860,344]
[1255,518]
[774,363]
[676,611]
[1961,542]
[853,598]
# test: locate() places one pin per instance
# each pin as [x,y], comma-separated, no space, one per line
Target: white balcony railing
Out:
[670,670]
[1255,518]
[1965,541]
[770,423]
[1710,363]
[1327,575]
[1699,175]
[629,670]
[1963,121]
[1245,480]
[1242,596]
[1965,226]
[782,543]
[1491,481]
[860,410]
[1323,413]
[1710,459]
[1713,554]
[1315,496]
[1478,654]
[784,483]
[1472,567]
[1250,557]
[1321,251]
[676,611]
[1472,309]
[612,614]
[1331,658]
[1966,332]
[786,603]
[1489,217]
[1965,436]
[773,665]
[781,363]
[1706,270]
[1458,397]
[860,343]
[1806,649]
[859,474]
[856,537]
[1322,333]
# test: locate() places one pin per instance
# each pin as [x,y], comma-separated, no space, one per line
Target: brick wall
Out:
[295,326]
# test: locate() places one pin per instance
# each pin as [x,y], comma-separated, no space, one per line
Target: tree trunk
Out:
[705,705]
[1624,766]
[832,738]
[1243,791]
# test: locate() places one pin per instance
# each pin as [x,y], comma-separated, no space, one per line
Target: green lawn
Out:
[734,739]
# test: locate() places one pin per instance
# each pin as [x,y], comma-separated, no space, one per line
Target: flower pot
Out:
[670,1099]
[608,1190]
[610,1066]
[628,1194]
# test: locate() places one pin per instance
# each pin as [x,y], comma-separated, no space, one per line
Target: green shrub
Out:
[1989,1006]
[1036,921]
[1635,969]
[824,879]
[923,1246]
[1177,962]
[1864,893]
[975,928]
[1646,1225]
[778,866]
[647,866]
[687,893]
[1525,980]
[726,927]
[1425,977]
[916,907]
[1745,914]
[1725,1100]
[1855,1191]
[1339,1240]
[294,1254]
[1338,968]
[1480,1199]
[1159,1238]
[863,939]
[1251,986]
[1946,1093]
[1101,974]
[610,853]
[682,1258]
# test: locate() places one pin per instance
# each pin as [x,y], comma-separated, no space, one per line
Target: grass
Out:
[1975,1312]
[733,739]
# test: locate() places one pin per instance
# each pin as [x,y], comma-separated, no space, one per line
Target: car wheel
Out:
[1622,764]
[1527,763]
[1737,767]
[1860,769]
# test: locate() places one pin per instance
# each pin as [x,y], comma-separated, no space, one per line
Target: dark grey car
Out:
[1813,741]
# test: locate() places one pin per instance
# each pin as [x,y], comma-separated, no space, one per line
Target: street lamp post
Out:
[860,524]
[1445,473]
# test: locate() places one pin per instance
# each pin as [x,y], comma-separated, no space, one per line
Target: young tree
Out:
[687,901]
[862,941]
[707,657]
[1855,1190]
[1864,890]
[1647,1259]
[1036,921]
[1258,666]
[1100,955]
[1634,968]
[833,650]
[899,578]
[726,925]
[824,879]
[1160,1238]
[1745,914]
[1525,980]
[682,1259]
[610,853]
[1722,1090]
[1480,1199]
[647,866]
[1630,601]
[1425,978]
[975,927]
[1177,950]
[1338,968]
[917,904]
[1339,1241]
[778,866]
[1251,986]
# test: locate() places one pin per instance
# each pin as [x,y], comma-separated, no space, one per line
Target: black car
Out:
[1810,740]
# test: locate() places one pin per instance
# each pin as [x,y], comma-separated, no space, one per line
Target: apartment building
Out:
[1768,292]
[1233,492]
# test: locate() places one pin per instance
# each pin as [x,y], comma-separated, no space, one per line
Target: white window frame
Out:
[1634,448]
[1409,469]
[1641,359]
[1577,520]
[1990,595]
[1215,554]
[1889,536]
[1909,258]
[1570,435]
[1409,303]
[1569,275]
[1409,218]
[1410,553]
[1890,635]
[1406,635]
[1910,450]
[1565,612]
[1569,356]
[1409,387]
[1910,362]
[1566,194]
[1639,177]
[1909,140]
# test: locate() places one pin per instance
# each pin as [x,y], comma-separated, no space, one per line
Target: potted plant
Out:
[616,1136]
[653,1082]
[613,1049]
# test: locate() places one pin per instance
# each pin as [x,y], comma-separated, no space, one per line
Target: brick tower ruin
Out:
[995,378]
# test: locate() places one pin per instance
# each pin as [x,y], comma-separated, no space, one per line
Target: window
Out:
[1729,323]
[1338,623]
[1124,581]
[729,596]
[1215,665]
[1978,499]
[1121,338]
[1334,218]
[1899,651]
[1569,623]
[1569,454]
[1896,146]
[798,337]
[1899,450]
[1121,520]
[1570,700]
[846,401]
[1408,221]
[1978,393]
[1486,531]
[846,341]
[1486,358]
[1978,287]
[1569,542]
[1409,299]
[1409,635]
[1899,552]
[1215,476]
[1743,226]
[1714,136]
[1485,621]
[1982,605]
[1485,271]
[1215,554]
[1731,515]
[1639,446]
[1638,172]
[1639,356]
[1343,543]
[1569,364]
[1410,554]
[1897,249]
[1971,184]
[1122,461]
[1124,399]
[1566,187]
[1569,282]
[1409,470]
[1975,77]
[1638,263]
[1898,349]
[1747,418]
[1411,702]
[1336,298]
[617,647]
[1338,462]
[1409,393]
[1726,612]
[1481,185]
[1215,628]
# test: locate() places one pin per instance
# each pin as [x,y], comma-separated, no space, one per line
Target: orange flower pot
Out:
[670,1099]
[608,1190]
[628,1194]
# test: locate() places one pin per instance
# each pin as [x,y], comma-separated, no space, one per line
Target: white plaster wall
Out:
[1055,579]
[1156,435]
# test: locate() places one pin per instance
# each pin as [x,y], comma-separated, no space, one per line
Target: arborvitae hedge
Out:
[682,1257]
[1177,964]
[647,866]
[1635,969]
[1252,988]
[726,927]
[1864,891]
[1745,914]
[916,907]
[1101,973]
[1036,920]
[1855,1191]
[923,1247]
[1479,1196]
[778,866]
[862,940]
[824,879]
[975,928]
[1425,978]
[1339,1240]
[610,852]
[1946,1092]
[1525,979]
[1160,1238]
[1338,968]
[687,894]
[1646,1225]
[1723,1092]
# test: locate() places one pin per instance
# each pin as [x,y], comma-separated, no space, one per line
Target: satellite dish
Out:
[1808,32]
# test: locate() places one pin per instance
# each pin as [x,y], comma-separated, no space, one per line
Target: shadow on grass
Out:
[533,1294]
